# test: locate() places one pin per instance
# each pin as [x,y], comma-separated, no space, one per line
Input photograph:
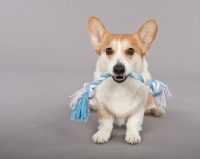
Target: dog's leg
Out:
[93,101]
[134,125]
[105,127]
[156,111]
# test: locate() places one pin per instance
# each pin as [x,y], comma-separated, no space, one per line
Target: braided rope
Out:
[155,85]
[158,88]
[78,94]
[80,99]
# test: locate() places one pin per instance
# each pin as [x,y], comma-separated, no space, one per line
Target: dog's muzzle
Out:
[119,70]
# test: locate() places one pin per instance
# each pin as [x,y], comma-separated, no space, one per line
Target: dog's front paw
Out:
[101,136]
[133,138]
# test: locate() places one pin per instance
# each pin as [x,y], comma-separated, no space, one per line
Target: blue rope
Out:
[80,101]
[82,111]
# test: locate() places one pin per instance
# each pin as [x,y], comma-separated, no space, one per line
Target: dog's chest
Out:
[122,99]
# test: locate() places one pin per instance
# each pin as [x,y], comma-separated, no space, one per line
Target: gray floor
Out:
[46,55]
[35,121]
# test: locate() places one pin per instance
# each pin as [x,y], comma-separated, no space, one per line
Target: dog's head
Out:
[120,54]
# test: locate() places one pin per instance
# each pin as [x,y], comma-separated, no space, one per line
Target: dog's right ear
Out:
[96,30]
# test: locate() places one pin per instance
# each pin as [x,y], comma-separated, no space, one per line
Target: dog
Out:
[120,99]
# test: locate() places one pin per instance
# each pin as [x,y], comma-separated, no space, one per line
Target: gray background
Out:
[46,55]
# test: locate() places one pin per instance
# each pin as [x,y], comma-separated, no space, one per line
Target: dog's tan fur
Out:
[109,95]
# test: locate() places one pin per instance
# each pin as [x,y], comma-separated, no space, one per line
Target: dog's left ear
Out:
[146,35]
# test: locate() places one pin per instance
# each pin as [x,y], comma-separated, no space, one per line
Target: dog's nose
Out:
[119,69]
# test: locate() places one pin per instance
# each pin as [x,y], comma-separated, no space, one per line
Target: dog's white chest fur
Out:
[122,99]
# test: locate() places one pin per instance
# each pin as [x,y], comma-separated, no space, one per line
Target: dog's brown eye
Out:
[109,51]
[130,51]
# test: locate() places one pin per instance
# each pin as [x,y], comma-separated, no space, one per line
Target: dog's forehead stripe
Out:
[118,57]
[119,44]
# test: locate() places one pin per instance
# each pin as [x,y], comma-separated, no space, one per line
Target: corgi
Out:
[120,99]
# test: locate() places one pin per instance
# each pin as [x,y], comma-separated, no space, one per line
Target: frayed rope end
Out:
[80,104]
[75,98]
[81,111]
[165,94]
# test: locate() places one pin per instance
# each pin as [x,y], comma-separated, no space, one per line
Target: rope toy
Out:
[80,99]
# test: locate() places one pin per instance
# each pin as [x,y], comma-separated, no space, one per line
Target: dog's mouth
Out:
[119,79]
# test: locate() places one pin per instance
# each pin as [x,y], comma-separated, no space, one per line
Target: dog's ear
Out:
[146,34]
[96,30]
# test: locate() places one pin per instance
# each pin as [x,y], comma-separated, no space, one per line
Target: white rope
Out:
[165,94]
[75,97]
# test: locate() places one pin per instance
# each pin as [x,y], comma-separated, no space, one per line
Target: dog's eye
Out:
[130,51]
[109,51]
